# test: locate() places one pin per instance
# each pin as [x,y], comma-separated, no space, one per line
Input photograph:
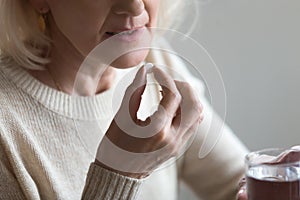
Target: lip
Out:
[120,30]
[126,34]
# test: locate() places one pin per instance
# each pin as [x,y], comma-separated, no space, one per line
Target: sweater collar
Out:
[99,106]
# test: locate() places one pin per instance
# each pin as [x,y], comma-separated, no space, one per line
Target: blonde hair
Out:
[22,41]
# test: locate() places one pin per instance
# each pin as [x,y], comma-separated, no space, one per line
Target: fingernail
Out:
[149,67]
[241,191]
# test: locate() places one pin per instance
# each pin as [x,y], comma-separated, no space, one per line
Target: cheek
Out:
[79,22]
[152,7]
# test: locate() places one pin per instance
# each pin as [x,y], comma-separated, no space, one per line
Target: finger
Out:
[186,139]
[133,94]
[171,97]
[242,194]
[191,108]
[191,131]
[177,118]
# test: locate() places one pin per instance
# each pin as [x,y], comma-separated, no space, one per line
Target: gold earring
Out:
[42,23]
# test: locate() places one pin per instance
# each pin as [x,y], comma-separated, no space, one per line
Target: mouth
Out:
[128,32]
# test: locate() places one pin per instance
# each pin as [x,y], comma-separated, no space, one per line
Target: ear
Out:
[41,6]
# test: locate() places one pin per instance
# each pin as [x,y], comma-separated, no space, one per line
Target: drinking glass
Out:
[273,174]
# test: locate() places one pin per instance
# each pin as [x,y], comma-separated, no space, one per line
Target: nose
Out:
[129,7]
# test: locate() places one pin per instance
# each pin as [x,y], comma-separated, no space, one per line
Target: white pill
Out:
[148,67]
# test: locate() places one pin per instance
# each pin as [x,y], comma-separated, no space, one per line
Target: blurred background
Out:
[256,46]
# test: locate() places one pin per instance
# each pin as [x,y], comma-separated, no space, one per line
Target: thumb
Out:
[133,94]
[242,193]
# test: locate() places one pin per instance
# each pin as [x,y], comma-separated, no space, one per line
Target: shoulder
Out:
[9,73]
[8,93]
[6,90]
[6,69]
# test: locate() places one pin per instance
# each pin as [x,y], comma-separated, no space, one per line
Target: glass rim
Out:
[249,163]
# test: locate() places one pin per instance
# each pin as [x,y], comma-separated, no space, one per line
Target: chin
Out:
[130,59]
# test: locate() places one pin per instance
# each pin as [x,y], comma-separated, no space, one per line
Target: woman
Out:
[46,153]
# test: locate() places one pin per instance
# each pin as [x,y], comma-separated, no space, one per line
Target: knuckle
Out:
[176,97]
[198,108]
[185,85]
[188,91]
[196,105]
[201,117]
[187,88]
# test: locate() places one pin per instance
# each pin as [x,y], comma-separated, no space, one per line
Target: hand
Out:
[242,193]
[135,148]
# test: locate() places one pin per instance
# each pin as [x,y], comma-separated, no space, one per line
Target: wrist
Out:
[128,174]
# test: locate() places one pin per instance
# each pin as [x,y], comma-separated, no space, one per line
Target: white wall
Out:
[256,45]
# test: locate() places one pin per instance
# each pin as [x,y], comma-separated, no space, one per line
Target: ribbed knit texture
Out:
[123,188]
[77,107]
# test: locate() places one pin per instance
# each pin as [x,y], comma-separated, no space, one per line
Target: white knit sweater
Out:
[46,151]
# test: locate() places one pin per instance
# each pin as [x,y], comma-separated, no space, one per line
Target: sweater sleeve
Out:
[216,176]
[104,184]
[101,184]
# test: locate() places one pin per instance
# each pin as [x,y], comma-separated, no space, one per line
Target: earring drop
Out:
[42,19]
[42,23]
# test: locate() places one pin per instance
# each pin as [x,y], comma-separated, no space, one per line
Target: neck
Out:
[66,72]
[63,70]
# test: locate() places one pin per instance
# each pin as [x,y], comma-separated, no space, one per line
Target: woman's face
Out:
[86,23]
